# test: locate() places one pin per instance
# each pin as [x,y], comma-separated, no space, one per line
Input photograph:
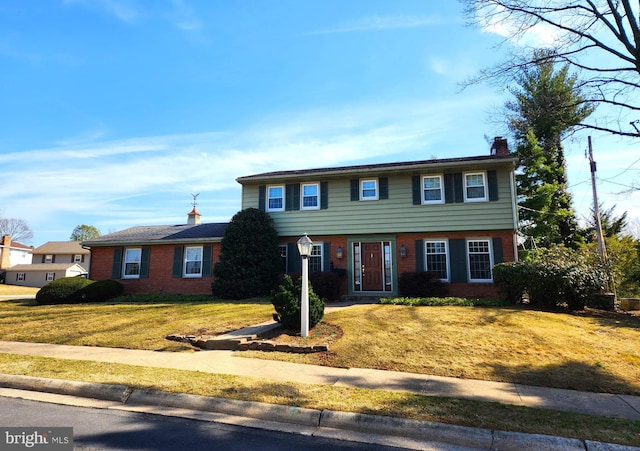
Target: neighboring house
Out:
[159,259]
[62,252]
[12,253]
[455,216]
[39,274]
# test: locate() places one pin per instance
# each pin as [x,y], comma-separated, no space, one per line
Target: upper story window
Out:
[369,189]
[48,258]
[310,196]
[475,187]
[193,262]
[77,258]
[131,267]
[275,198]
[479,255]
[432,189]
[436,258]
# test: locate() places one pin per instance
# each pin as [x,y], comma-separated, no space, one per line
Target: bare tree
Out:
[598,39]
[17,229]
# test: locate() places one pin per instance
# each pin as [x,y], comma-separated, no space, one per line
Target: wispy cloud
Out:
[498,21]
[378,23]
[184,17]
[123,10]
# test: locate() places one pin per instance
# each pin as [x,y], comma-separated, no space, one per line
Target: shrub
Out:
[511,279]
[61,291]
[99,291]
[287,299]
[249,264]
[326,285]
[421,284]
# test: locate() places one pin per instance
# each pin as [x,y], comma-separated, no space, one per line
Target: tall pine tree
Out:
[547,107]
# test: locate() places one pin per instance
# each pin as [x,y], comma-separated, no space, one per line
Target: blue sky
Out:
[113,112]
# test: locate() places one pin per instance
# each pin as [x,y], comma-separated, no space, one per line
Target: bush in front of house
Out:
[99,291]
[250,264]
[421,284]
[325,284]
[552,278]
[61,291]
[286,299]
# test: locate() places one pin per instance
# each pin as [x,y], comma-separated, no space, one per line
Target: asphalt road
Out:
[121,430]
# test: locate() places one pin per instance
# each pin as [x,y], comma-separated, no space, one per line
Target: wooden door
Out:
[372,267]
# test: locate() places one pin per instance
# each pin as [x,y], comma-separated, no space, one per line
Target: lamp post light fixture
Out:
[305,246]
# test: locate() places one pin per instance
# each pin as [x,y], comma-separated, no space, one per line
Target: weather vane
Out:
[194,199]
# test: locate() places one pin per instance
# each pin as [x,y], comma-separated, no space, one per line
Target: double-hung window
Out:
[369,189]
[50,276]
[475,187]
[275,198]
[315,259]
[48,258]
[310,196]
[436,258]
[479,255]
[193,262]
[432,189]
[77,258]
[21,276]
[131,267]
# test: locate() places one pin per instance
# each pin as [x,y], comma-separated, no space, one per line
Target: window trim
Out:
[50,279]
[447,254]
[48,258]
[21,276]
[268,198]
[489,242]
[77,258]
[320,255]
[317,196]
[124,263]
[485,187]
[376,187]
[440,177]
[185,261]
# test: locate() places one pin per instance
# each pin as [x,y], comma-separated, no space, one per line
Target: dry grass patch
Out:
[132,325]
[378,402]
[592,351]
[13,290]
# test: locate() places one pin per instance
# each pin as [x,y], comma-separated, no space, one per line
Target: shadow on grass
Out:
[571,375]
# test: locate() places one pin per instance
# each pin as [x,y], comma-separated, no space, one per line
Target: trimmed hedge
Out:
[287,301]
[61,291]
[99,291]
[421,284]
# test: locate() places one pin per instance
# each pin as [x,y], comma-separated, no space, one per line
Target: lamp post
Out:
[305,246]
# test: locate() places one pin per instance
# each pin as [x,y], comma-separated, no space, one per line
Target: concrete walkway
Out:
[230,362]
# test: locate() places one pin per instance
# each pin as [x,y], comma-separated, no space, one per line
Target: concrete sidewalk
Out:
[231,362]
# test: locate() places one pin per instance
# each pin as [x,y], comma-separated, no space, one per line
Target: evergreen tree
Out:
[249,264]
[547,107]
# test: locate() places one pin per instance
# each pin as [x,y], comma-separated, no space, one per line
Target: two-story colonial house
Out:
[455,216]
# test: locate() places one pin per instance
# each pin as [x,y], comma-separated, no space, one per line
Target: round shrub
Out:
[61,291]
[421,284]
[287,299]
[99,291]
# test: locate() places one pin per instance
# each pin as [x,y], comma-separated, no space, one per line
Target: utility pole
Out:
[596,206]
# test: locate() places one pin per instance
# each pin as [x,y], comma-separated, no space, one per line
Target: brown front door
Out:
[372,267]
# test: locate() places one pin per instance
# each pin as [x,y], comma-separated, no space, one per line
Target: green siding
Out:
[397,214]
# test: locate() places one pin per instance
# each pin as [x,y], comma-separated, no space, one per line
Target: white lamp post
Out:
[305,246]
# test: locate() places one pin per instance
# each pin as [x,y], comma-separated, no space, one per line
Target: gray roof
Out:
[162,234]
[61,247]
[403,166]
[49,267]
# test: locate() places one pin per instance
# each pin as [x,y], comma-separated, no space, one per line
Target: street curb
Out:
[427,431]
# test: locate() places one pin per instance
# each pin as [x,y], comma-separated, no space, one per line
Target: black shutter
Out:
[176,270]
[324,195]
[82,258]
[497,251]
[207,257]
[294,261]
[53,258]
[449,189]
[415,189]
[144,262]
[292,197]
[326,256]
[492,182]
[420,255]
[262,195]
[116,266]
[384,188]
[43,257]
[458,187]
[355,189]
[458,257]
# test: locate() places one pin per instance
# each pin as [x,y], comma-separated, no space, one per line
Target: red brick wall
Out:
[160,267]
